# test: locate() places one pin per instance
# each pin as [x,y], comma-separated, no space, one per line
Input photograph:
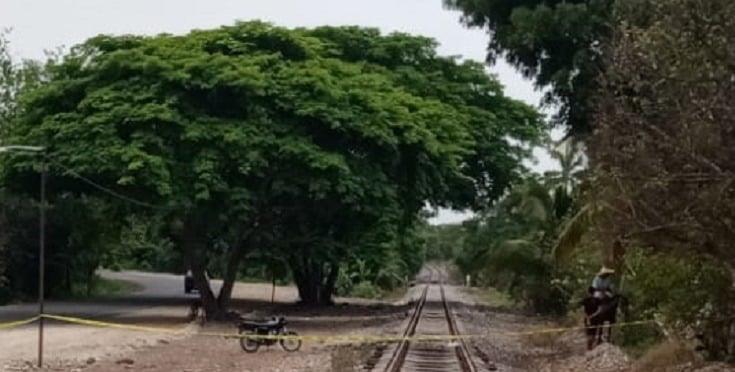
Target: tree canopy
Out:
[560,44]
[647,86]
[301,142]
[663,152]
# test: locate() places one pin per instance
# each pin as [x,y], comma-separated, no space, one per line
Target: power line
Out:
[107,190]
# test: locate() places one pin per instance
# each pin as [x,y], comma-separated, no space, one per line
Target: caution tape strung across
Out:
[317,338]
[101,324]
[18,323]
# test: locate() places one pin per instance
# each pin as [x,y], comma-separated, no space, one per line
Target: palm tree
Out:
[568,153]
[574,229]
[523,225]
[514,243]
[572,161]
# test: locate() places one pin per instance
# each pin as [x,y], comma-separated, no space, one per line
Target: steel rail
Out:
[399,356]
[431,361]
[463,353]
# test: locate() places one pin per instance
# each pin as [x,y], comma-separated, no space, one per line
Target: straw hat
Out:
[605,271]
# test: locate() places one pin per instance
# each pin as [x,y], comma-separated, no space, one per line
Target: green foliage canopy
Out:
[302,138]
[558,43]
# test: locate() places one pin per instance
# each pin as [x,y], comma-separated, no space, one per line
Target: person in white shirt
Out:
[603,285]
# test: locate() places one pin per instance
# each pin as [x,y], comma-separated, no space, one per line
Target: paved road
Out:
[156,290]
[155,285]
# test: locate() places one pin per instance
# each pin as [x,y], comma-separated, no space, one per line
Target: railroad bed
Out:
[431,316]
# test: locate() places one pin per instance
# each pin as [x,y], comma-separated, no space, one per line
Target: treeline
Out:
[251,149]
[646,88]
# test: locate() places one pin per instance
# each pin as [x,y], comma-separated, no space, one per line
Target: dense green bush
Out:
[4,289]
[365,289]
[510,246]
[141,244]
[443,242]
[74,241]
[683,293]
[378,269]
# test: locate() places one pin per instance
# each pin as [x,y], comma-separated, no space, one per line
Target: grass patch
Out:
[638,340]
[493,298]
[102,287]
[395,294]
[110,287]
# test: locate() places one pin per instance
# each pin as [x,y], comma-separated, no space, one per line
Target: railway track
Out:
[432,315]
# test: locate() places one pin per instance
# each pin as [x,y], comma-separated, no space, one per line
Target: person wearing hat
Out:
[603,285]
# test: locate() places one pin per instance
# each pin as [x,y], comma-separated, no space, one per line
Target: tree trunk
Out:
[90,282]
[67,273]
[194,249]
[315,283]
[273,286]
[228,282]
[331,280]
[201,283]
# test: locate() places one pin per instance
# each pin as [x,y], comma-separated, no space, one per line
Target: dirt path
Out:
[160,303]
[214,354]
[552,352]
[78,348]
[511,351]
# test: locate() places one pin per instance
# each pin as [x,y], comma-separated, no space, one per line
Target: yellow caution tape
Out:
[97,323]
[565,329]
[320,338]
[317,338]
[18,323]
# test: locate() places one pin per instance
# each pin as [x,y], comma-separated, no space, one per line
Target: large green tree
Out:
[663,152]
[15,78]
[298,142]
[662,158]
[559,43]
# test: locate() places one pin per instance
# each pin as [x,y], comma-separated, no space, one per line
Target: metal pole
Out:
[41,262]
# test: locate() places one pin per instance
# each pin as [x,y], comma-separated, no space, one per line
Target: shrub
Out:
[365,289]
[684,294]
[4,290]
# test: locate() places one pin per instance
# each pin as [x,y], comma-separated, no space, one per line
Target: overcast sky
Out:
[39,25]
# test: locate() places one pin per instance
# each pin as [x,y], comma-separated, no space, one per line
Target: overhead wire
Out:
[106,189]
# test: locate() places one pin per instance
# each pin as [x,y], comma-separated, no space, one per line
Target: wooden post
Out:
[273,290]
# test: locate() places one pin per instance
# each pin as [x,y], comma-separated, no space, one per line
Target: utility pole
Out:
[41,261]
[41,234]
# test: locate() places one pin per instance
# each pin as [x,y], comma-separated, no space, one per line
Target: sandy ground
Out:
[78,348]
[69,345]
[198,353]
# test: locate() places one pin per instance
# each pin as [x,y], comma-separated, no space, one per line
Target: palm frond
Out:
[517,256]
[573,231]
